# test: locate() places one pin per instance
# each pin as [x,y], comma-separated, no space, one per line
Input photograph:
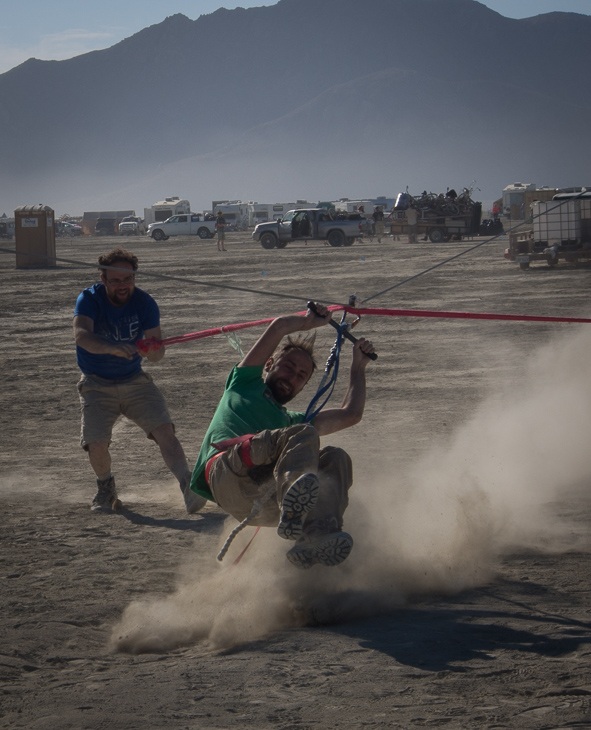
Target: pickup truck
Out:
[132,225]
[309,224]
[185,224]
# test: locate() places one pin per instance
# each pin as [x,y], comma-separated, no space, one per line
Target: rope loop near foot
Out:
[257,508]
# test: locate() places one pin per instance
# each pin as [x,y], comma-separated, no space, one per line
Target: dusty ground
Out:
[465,602]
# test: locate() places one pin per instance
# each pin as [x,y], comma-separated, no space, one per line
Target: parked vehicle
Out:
[491,227]
[189,224]
[164,209]
[106,227]
[65,228]
[259,213]
[113,217]
[560,230]
[235,215]
[311,224]
[441,217]
[132,225]
[7,228]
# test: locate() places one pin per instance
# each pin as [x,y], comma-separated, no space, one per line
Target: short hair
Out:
[299,342]
[115,256]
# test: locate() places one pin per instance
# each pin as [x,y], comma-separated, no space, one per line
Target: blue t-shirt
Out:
[115,324]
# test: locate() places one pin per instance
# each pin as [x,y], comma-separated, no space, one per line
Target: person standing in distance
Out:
[220,226]
[110,317]
[412,218]
[378,217]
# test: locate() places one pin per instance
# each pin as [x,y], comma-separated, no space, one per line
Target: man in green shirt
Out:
[260,462]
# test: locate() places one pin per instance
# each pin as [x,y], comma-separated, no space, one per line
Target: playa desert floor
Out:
[466,600]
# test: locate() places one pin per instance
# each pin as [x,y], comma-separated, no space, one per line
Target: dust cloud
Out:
[437,529]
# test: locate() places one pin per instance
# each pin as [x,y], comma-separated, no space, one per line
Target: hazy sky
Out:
[66,28]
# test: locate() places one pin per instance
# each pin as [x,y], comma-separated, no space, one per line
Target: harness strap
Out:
[223,446]
[210,464]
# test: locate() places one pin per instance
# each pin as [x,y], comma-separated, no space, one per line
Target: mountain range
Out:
[312,99]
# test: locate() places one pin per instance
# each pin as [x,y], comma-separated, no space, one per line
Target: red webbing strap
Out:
[461,315]
[210,464]
[222,446]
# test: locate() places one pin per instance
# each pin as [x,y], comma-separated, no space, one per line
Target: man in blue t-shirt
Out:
[263,464]
[109,319]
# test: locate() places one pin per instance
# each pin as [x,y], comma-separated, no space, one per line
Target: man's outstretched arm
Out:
[267,343]
[86,338]
[351,412]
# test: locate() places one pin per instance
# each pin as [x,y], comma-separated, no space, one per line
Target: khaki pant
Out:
[102,401]
[279,458]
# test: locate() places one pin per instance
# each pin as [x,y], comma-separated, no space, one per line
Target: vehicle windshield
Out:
[287,218]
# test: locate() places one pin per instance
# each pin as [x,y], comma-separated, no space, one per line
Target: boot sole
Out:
[329,551]
[298,501]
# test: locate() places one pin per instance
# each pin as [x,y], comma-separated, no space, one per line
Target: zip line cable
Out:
[169,277]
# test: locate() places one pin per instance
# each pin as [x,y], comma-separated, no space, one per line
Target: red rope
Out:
[461,315]
[239,558]
[144,346]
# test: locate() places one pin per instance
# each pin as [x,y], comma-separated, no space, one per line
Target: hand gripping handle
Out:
[346,333]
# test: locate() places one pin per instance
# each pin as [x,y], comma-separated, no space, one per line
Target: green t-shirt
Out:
[247,406]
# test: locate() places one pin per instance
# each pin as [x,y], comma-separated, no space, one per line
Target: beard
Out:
[280,389]
[119,299]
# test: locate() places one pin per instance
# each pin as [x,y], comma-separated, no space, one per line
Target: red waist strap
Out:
[223,446]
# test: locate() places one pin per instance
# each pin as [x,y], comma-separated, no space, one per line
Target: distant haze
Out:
[252,104]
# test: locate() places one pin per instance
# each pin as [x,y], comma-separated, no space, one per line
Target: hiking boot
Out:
[106,499]
[193,501]
[323,543]
[298,501]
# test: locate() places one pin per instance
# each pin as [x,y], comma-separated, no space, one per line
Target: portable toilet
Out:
[34,234]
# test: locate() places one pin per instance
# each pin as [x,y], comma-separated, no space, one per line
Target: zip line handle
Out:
[346,333]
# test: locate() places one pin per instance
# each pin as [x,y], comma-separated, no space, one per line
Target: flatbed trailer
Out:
[524,251]
[438,228]
[560,230]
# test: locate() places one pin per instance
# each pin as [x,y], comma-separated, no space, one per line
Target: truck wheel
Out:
[336,238]
[436,235]
[281,244]
[204,232]
[268,240]
[158,235]
[349,241]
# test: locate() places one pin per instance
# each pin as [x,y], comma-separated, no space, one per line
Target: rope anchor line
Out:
[369,311]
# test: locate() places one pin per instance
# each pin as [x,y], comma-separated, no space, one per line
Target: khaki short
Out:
[104,401]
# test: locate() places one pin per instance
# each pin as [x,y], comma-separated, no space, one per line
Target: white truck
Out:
[186,224]
[132,225]
[310,224]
